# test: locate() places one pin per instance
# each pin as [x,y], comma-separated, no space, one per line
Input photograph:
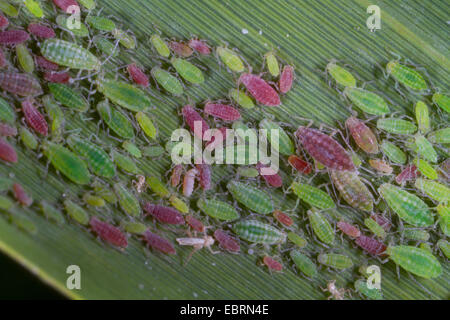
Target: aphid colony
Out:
[411,147]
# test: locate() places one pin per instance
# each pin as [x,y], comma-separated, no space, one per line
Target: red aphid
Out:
[283,218]
[57,77]
[2,59]
[194,120]
[137,75]
[21,196]
[363,136]
[164,214]
[41,31]
[349,229]
[13,37]
[34,118]
[382,221]
[226,241]
[108,233]
[204,176]
[181,49]
[158,243]
[7,131]
[272,264]
[7,152]
[4,22]
[65,4]
[260,90]
[215,140]
[176,175]
[299,164]
[200,46]
[286,79]
[46,64]
[371,245]
[445,168]
[409,173]
[195,224]
[273,179]
[325,149]
[222,111]
[189,182]
[22,84]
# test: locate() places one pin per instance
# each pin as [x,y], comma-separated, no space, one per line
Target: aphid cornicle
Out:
[367,101]
[442,101]
[313,196]
[253,198]
[433,189]
[335,260]
[407,76]
[160,46]
[441,136]
[22,84]
[352,189]
[115,120]
[230,59]
[341,75]
[285,144]
[303,263]
[363,136]
[69,54]
[218,209]
[394,153]
[260,90]
[321,227]
[124,94]
[188,71]
[68,97]
[422,117]
[76,212]
[128,202]
[258,232]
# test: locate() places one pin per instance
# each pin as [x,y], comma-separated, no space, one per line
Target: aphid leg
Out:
[421,286]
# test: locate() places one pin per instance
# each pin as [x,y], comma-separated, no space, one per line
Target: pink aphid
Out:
[283,218]
[272,264]
[349,229]
[175,178]
[22,84]
[158,243]
[217,138]
[13,37]
[381,166]
[195,224]
[7,152]
[200,46]
[299,164]
[409,173]
[226,241]
[7,131]
[108,233]
[194,120]
[4,22]
[181,49]
[21,196]
[382,221]
[2,59]
[222,111]
[260,90]
[371,245]
[34,118]
[204,176]
[65,4]
[164,214]
[41,31]
[137,75]
[46,64]
[189,182]
[272,178]
[286,79]
[57,77]
[363,136]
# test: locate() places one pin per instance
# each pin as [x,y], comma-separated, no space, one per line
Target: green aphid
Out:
[335,260]
[7,113]
[241,99]
[444,245]
[218,209]
[5,203]
[258,232]
[242,132]
[5,184]
[97,159]
[356,159]
[397,126]
[124,94]
[128,202]
[407,76]
[426,168]
[321,227]
[101,23]
[272,64]
[66,162]
[80,30]
[426,246]
[433,189]
[153,151]
[105,46]
[441,136]
[247,172]
[424,148]
[179,204]
[124,38]
[414,234]
[88,4]
[253,198]
[367,101]
[93,200]
[313,196]
[134,227]
[444,218]
[76,212]
[34,8]
[160,46]
[115,120]
[132,149]
[415,260]
[158,187]
[51,213]
[352,189]
[125,163]
[341,75]
[69,54]
[28,138]
[105,192]
[24,224]
[408,206]
[68,97]
[394,153]
[422,117]
[230,59]
[188,71]
[362,288]
[25,58]
[303,263]
[285,144]
[375,228]
[55,115]
[297,240]
[8,9]
[442,101]
[146,124]
[168,81]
